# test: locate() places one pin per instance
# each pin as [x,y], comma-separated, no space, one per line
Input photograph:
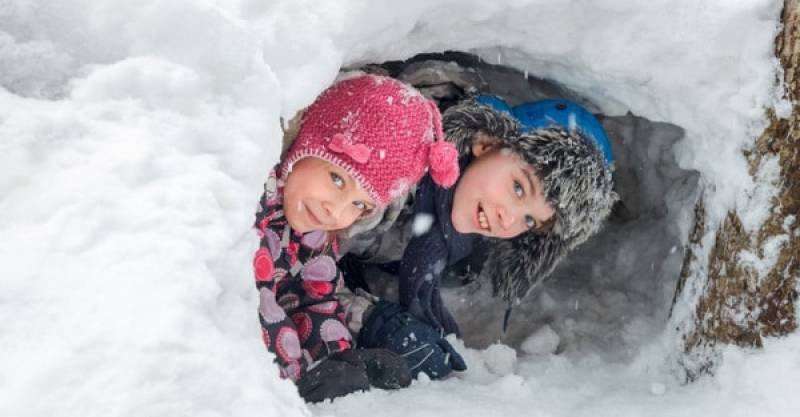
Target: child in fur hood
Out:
[363,142]
[536,181]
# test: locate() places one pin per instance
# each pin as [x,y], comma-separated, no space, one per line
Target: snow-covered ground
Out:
[135,135]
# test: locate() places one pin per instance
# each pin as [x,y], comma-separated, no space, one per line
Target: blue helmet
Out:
[564,113]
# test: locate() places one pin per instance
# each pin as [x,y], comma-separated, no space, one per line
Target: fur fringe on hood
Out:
[577,182]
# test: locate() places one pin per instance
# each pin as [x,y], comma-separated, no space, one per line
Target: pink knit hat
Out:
[384,133]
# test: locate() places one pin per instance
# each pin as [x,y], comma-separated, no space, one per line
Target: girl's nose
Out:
[333,211]
[505,217]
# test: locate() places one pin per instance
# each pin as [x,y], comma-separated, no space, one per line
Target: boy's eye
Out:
[530,222]
[337,180]
[360,205]
[518,190]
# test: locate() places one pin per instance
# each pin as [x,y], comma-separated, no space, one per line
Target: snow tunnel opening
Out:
[614,292]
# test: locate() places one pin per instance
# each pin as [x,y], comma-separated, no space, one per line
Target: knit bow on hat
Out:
[357,152]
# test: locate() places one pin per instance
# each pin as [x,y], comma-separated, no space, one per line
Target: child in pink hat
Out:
[362,143]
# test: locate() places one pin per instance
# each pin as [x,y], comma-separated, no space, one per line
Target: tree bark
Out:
[738,305]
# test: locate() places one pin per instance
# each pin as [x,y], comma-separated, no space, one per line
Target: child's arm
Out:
[424,260]
[420,275]
[280,336]
[301,320]
[278,331]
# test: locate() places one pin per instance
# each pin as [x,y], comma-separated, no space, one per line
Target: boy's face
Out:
[319,195]
[499,195]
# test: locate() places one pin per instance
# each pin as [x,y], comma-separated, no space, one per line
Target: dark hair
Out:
[546,226]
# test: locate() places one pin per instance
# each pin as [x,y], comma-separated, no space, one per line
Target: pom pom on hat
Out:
[443,159]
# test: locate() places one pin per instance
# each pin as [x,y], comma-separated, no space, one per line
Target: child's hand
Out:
[336,376]
[385,369]
[352,370]
[389,326]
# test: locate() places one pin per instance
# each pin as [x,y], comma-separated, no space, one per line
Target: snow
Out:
[543,341]
[421,224]
[135,136]
[751,383]
[657,388]
[499,359]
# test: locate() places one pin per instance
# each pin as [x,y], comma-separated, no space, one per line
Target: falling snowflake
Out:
[422,223]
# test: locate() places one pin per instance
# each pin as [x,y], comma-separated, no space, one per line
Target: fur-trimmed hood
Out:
[577,182]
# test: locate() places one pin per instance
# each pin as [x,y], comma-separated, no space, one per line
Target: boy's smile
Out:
[499,195]
[322,196]
[481,220]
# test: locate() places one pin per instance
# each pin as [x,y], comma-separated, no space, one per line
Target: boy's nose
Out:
[505,217]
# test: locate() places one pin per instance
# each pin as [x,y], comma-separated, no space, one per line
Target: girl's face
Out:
[499,195]
[319,195]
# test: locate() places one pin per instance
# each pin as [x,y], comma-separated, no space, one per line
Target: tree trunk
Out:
[738,304]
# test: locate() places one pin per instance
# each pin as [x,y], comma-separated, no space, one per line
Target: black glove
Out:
[351,370]
[385,369]
[389,326]
[337,375]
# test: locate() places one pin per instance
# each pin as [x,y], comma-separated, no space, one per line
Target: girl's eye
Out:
[337,180]
[530,222]
[518,190]
[360,205]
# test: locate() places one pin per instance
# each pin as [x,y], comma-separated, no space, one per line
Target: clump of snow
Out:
[500,359]
[657,388]
[752,205]
[543,341]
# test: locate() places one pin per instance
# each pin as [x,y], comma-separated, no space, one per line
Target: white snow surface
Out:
[135,136]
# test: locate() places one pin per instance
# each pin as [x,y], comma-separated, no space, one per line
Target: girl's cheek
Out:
[347,218]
